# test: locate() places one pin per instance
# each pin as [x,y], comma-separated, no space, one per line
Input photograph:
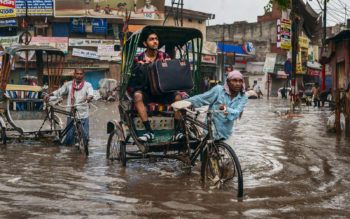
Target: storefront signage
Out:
[209,59]
[85,53]
[86,65]
[140,9]
[87,25]
[7,8]
[285,34]
[303,42]
[9,41]
[107,53]
[91,42]
[270,62]
[34,7]
[313,72]
[60,43]
[8,23]
[249,48]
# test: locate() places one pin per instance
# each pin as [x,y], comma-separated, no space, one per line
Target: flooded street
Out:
[292,168]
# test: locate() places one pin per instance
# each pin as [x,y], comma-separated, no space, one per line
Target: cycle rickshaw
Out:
[219,162]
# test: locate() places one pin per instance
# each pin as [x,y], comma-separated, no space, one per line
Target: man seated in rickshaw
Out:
[230,98]
[139,84]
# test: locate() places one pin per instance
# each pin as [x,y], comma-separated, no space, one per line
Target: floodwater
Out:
[292,168]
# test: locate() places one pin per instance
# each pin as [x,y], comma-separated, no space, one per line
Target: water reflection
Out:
[291,167]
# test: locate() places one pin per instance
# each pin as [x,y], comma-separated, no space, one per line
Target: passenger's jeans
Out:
[69,140]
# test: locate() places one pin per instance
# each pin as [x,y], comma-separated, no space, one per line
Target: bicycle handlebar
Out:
[196,112]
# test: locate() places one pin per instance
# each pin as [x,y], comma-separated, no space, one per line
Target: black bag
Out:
[170,76]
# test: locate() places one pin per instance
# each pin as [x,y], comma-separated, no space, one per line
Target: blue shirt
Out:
[214,98]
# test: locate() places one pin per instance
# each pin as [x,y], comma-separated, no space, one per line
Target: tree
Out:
[283,4]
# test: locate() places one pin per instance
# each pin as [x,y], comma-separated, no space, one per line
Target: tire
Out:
[116,147]
[83,146]
[221,164]
[3,135]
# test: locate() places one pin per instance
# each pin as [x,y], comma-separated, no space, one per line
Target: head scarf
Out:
[233,75]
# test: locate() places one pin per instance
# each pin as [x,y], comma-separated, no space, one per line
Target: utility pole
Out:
[295,39]
[323,87]
[222,54]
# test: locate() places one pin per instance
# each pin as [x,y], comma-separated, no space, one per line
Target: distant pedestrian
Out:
[257,89]
[316,95]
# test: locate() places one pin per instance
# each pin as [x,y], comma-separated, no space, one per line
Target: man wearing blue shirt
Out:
[229,98]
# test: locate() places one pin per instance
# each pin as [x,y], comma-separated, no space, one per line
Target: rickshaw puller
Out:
[139,85]
[229,98]
[78,91]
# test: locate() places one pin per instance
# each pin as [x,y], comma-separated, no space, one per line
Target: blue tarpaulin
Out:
[228,48]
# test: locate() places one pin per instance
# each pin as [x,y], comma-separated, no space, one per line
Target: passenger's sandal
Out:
[178,136]
[146,137]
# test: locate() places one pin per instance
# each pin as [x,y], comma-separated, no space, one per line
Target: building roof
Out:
[187,13]
[345,34]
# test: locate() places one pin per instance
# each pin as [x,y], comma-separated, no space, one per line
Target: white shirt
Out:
[79,95]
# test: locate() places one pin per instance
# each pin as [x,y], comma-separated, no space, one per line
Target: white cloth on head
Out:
[233,75]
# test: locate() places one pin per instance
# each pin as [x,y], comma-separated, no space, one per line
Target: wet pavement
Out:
[292,168]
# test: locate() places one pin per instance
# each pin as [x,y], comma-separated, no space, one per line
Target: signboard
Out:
[77,25]
[9,41]
[56,42]
[140,9]
[209,59]
[7,8]
[8,23]
[313,72]
[286,27]
[35,7]
[249,48]
[85,53]
[303,42]
[95,25]
[107,53]
[91,42]
[299,68]
[270,62]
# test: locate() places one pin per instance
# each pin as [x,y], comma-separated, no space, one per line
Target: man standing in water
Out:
[78,91]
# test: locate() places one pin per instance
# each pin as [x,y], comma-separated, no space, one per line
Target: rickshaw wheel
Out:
[116,147]
[3,135]
[221,166]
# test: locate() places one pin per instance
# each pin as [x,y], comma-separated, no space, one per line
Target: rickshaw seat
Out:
[24,97]
[157,108]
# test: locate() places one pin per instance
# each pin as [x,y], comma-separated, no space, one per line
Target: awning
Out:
[314,65]
[228,48]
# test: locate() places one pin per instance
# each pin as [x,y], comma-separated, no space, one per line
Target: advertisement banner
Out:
[286,30]
[75,42]
[270,62]
[85,53]
[35,7]
[303,42]
[60,43]
[140,9]
[77,25]
[8,23]
[209,59]
[9,41]
[7,8]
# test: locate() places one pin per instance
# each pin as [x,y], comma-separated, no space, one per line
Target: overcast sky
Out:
[229,11]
